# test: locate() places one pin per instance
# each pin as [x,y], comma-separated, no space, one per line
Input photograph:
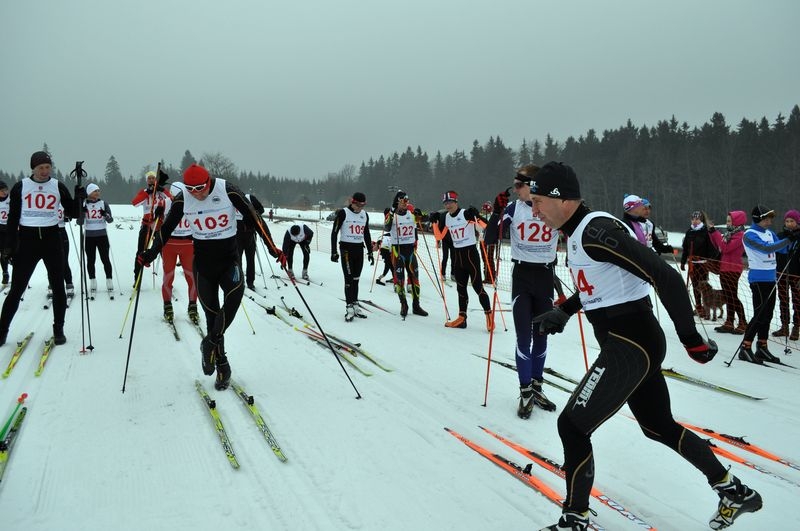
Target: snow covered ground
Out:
[89,457]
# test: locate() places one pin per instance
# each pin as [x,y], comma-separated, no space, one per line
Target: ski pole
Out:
[116,269]
[272,270]
[20,400]
[494,287]
[375,270]
[244,308]
[261,268]
[80,173]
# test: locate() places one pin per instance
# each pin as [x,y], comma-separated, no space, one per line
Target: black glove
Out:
[334,257]
[80,193]
[162,177]
[418,212]
[471,212]
[699,350]
[552,321]
[158,213]
[146,258]
[149,189]
[434,217]
[397,197]
[501,202]
[371,259]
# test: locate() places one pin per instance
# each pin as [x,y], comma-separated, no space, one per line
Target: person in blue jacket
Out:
[761,244]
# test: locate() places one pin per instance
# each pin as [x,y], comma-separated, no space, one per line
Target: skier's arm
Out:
[250,218]
[750,240]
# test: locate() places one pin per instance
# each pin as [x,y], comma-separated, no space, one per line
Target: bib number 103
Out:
[211,222]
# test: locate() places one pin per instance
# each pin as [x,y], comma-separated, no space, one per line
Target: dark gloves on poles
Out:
[334,257]
[699,350]
[471,213]
[281,259]
[162,177]
[501,202]
[80,193]
[371,259]
[552,321]
[145,258]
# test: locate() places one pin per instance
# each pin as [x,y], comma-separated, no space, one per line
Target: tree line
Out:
[715,167]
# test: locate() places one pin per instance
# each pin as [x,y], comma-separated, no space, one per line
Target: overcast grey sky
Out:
[299,88]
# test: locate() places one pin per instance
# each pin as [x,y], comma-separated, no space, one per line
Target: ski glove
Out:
[371,259]
[162,177]
[501,202]
[471,213]
[434,217]
[552,321]
[146,258]
[418,212]
[80,194]
[334,257]
[701,351]
[281,259]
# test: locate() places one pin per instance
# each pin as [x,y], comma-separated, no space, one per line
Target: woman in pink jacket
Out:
[731,246]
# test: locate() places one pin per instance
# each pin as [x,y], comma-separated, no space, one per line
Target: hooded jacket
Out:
[731,245]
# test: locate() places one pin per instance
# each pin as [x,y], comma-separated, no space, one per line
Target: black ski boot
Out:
[58,335]
[539,398]
[525,407]
[3,337]
[403,307]
[735,499]
[763,353]
[208,350]
[417,309]
[746,354]
[169,313]
[223,373]
[193,315]
[571,522]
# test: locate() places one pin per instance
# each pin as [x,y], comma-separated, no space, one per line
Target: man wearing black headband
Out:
[351,225]
[613,274]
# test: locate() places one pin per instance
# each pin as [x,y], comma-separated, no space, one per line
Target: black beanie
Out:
[40,157]
[3,185]
[557,180]
[361,198]
[760,212]
[295,230]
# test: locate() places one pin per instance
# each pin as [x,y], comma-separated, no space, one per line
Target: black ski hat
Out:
[295,230]
[3,185]
[40,157]
[361,198]
[556,179]
[760,212]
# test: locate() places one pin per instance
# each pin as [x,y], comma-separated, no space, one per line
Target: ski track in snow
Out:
[92,458]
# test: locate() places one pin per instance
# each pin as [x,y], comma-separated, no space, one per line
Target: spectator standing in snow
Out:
[788,267]
[730,269]
[699,251]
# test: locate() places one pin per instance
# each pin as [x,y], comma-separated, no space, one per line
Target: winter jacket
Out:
[792,256]
[697,244]
[731,244]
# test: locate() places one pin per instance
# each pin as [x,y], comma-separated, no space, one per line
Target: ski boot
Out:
[489,321]
[194,317]
[5,278]
[304,275]
[58,335]
[416,309]
[109,285]
[350,312]
[360,314]
[403,307]
[380,282]
[458,322]
[783,331]
[746,354]
[735,499]
[539,398]
[290,273]
[92,287]
[169,314]
[570,521]
[3,337]
[70,290]
[208,350]
[223,380]
[525,407]
[763,353]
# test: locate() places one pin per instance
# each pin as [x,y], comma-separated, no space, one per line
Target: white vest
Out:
[213,218]
[40,203]
[386,241]
[4,208]
[758,259]
[95,215]
[301,236]
[182,229]
[461,231]
[531,240]
[353,227]
[401,231]
[601,284]
[648,227]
